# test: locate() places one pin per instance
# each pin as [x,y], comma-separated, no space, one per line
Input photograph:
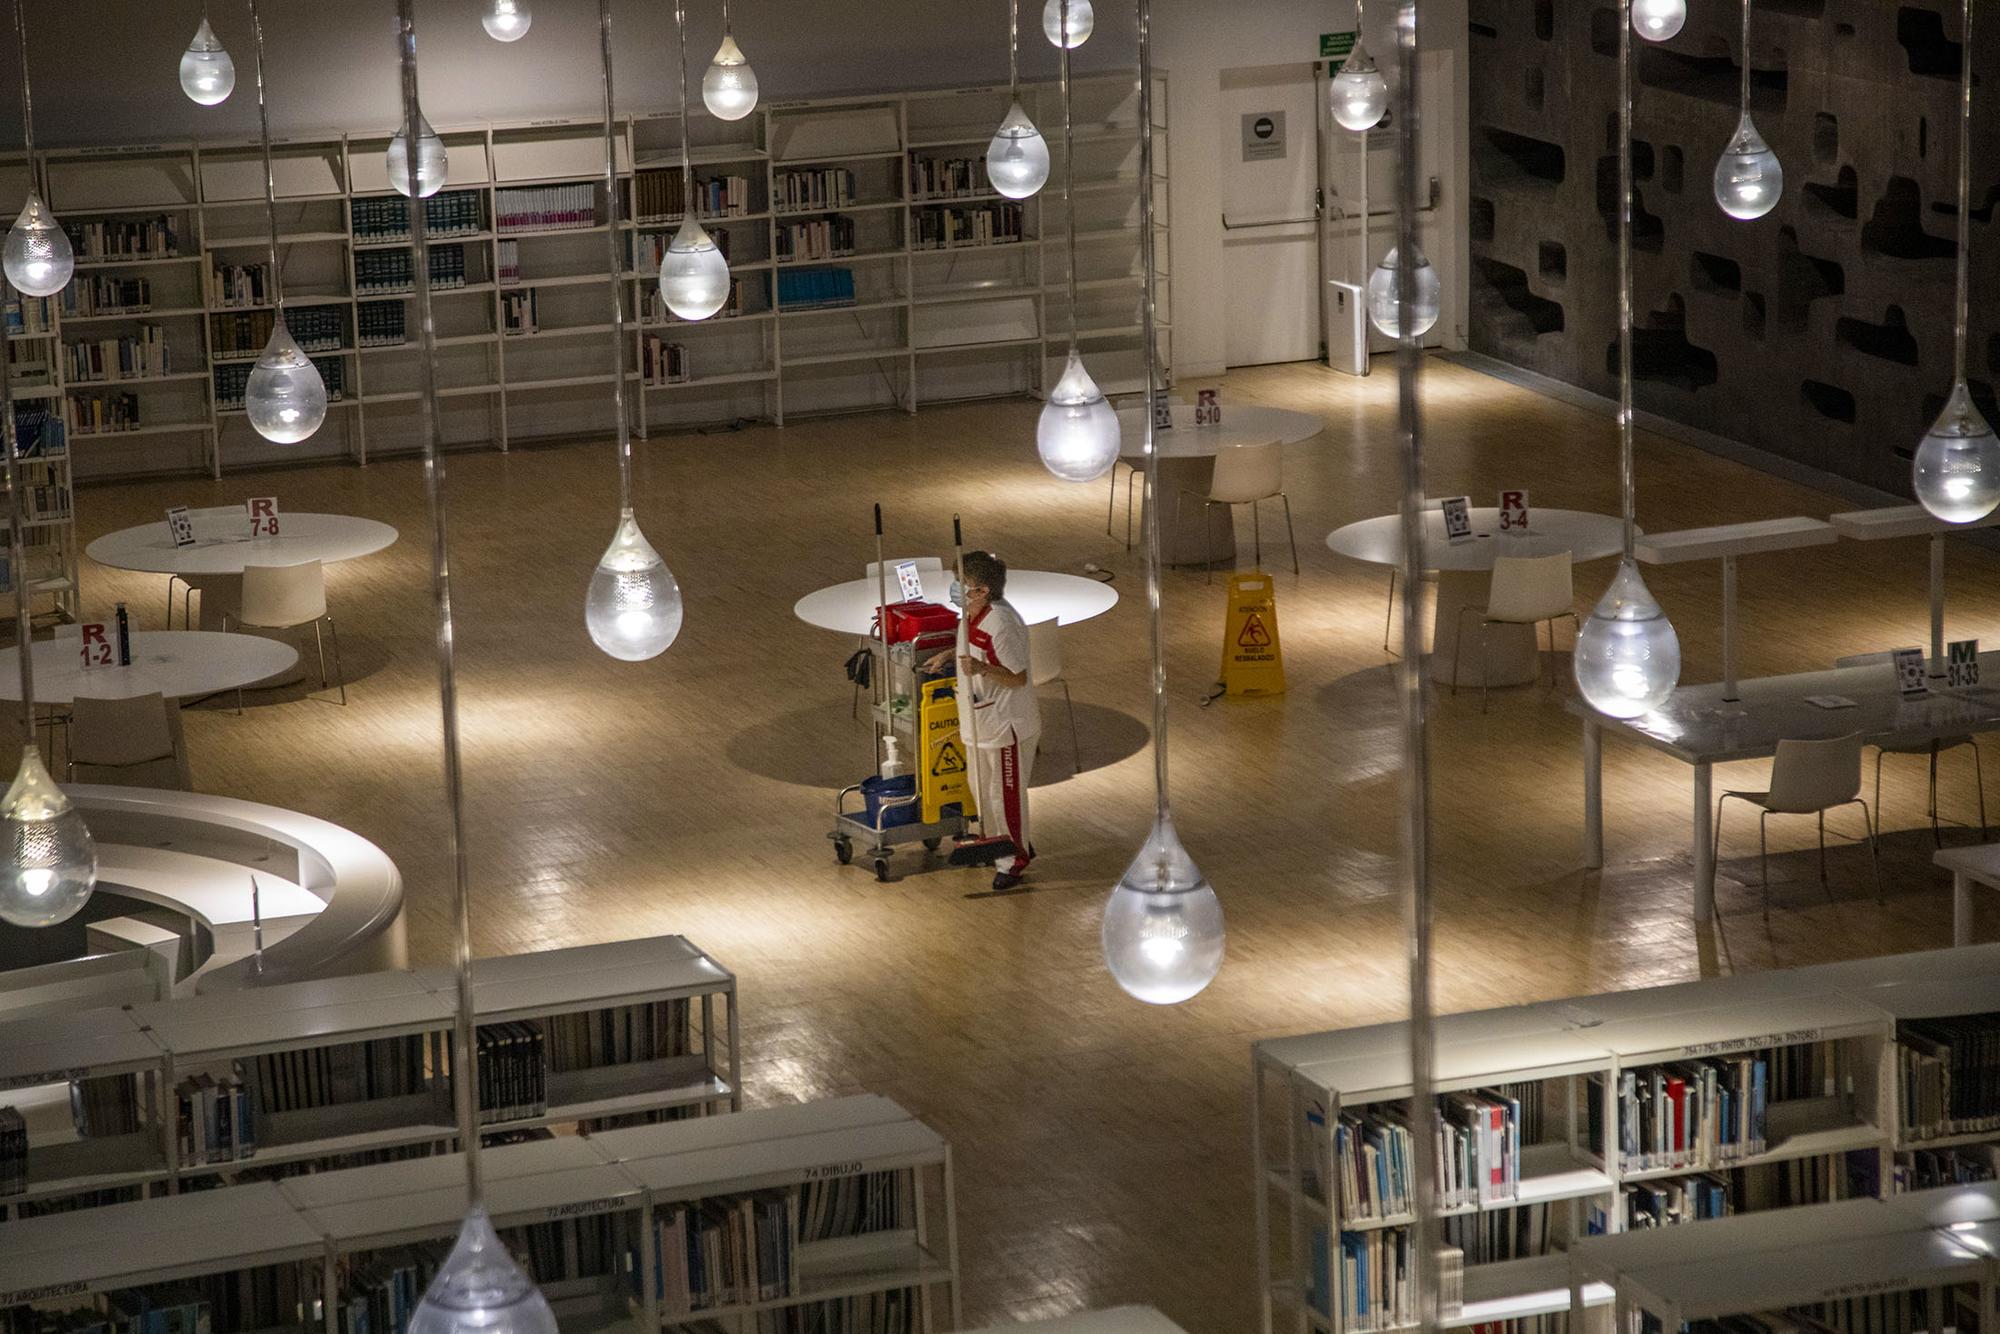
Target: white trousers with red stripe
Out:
[1003,794]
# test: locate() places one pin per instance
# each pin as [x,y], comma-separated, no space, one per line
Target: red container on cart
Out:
[915,619]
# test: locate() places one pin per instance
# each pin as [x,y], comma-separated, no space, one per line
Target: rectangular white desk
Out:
[1695,727]
[1968,867]
[1725,542]
[1912,521]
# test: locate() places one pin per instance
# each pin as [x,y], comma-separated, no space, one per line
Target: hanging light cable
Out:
[51,865]
[285,398]
[1627,657]
[1415,693]
[1017,161]
[633,609]
[1077,435]
[729,89]
[208,75]
[478,1289]
[1956,472]
[1748,176]
[37,258]
[1162,933]
[694,276]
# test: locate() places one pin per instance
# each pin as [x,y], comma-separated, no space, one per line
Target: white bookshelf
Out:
[1303,1084]
[308,1237]
[295,1032]
[923,325]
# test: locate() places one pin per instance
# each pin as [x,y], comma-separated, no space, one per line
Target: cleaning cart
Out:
[895,809]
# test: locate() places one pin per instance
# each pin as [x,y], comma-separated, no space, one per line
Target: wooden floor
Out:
[1102,1144]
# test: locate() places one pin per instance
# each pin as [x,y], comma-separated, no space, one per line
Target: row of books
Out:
[1903,1312]
[853,1205]
[517,311]
[316,328]
[661,362]
[341,1073]
[1950,1075]
[510,262]
[130,357]
[380,324]
[1693,1114]
[447,213]
[214,1122]
[1375,1288]
[821,238]
[736,304]
[13,1152]
[513,1072]
[1962,1166]
[387,272]
[379,1292]
[38,431]
[657,197]
[32,314]
[800,289]
[232,378]
[106,294]
[48,500]
[649,247]
[101,414]
[1666,1203]
[892,1312]
[1503,1234]
[947,177]
[571,1248]
[1478,1155]
[973,225]
[101,1106]
[716,1253]
[828,187]
[545,208]
[239,285]
[592,1038]
[124,238]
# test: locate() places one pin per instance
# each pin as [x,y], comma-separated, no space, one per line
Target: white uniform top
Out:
[1003,713]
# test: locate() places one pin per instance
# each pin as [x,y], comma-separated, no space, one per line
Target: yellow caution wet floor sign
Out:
[1252,662]
[945,777]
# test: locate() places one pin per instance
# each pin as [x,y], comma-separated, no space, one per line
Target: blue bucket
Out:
[876,790]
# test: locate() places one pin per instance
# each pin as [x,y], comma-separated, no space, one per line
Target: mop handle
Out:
[967,722]
[882,599]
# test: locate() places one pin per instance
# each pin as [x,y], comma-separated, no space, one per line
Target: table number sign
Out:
[96,645]
[1962,663]
[180,526]
[263,515]
[1163,410]
[1514,513]
[1910,674]
[911,582]
[1457,518]
[1208,407]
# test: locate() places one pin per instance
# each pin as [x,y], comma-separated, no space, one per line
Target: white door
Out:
[1268,140]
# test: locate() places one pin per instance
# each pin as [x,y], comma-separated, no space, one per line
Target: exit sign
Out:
[1335,45]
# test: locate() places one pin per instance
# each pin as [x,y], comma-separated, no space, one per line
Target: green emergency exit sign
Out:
[1335,45]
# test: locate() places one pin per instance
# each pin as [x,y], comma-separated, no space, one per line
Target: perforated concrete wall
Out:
[1821,332]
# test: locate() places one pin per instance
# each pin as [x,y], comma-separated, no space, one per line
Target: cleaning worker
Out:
[1007,723]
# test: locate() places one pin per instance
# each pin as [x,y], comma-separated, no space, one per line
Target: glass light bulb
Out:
[506,20]
[38,259]
[53,866]
[1957,469]
[1748,176]
[1657,20]
[1163,923]
[1081,23]
[208,75]
[1078,431]
[729,89]
[480,1290]
[694,277]
[1359,92]
[284,396]
[1017,161]
[431,163]
[1628,658]
[1382,297]
[633,609]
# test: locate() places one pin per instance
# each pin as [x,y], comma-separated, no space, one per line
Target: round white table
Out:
[223,547]
[1465,577]
[1039,595]
[176,663]
[1187,463]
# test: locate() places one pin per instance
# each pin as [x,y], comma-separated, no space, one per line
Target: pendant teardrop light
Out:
[506,20]
[1658,20]
[38,258]
[432,164]
[1077,27]
[480,1290]
[1017,161]
[1163,933]
[285,398]
[1382,301]
[1748,176]
[51,863]
[729,89]
[208,75]
[1077,434]
[1359,94]
[1628,658]
[633,609]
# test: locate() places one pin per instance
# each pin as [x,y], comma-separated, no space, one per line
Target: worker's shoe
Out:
[1005,880]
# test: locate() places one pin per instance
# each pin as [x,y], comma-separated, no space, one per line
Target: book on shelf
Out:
[378,1293]
[587,1039]
[1654,1204]
[657,196]
[38,431]
[137,356]
[314,328]
[13,1152]
[545,208]
[101,414]
[827,187]
[1960,1166]
[1375,1286]
[510,263]
[380,324]
[954,228]
[239,285]
[662,362]
[947,178]
[1949,1075]
[35,314]
[800,289]
[102,1106]
[853,1205]
[124,238]
[1500,1235]
[447,213]
[392,272]
[106,294]
[340,1073]
[1699,1114]
[518,311]
[215,1122]
[829,237]
[1478,1152]
[513,1072]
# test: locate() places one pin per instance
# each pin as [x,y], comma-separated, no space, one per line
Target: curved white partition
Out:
[331,901]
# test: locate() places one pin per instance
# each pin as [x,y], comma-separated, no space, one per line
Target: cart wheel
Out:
[933,844]
[882,870]
[843,850]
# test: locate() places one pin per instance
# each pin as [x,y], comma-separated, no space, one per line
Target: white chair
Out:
[126,741]
[1045,667]
[1526,590]
[199,583]
[1133,471]
[284,597]
[1808,778]
[1928,749]
[1243,476]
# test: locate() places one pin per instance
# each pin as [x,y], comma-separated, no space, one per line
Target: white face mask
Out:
[957,595]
